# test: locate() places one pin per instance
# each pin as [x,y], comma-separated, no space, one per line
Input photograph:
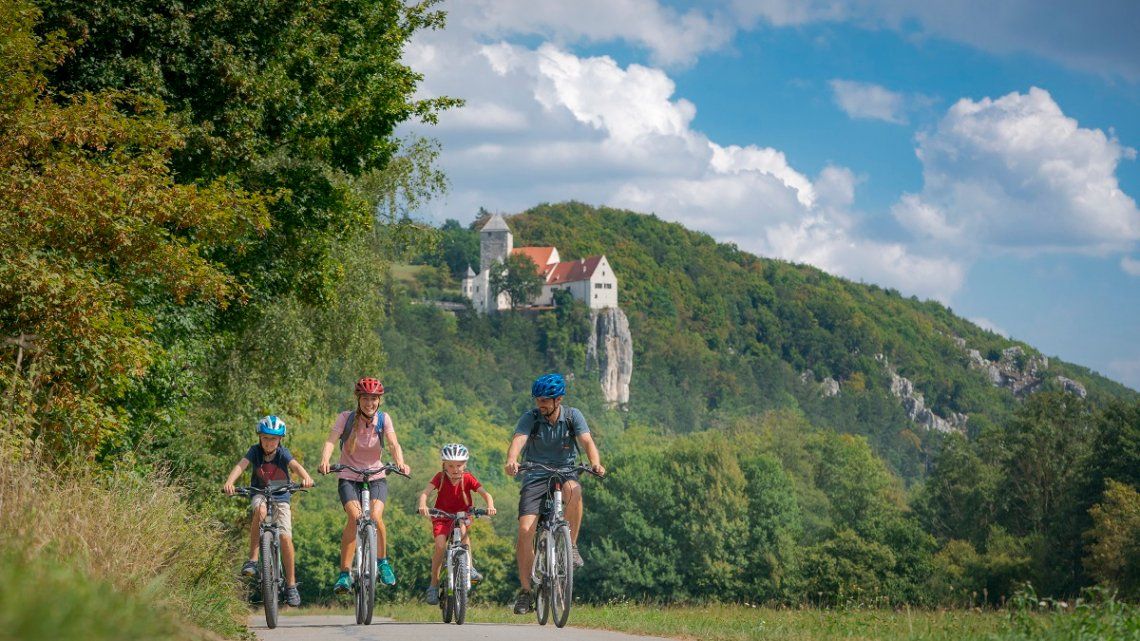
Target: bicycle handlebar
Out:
[269,492]
[474,513]
[369,473]
[581,467]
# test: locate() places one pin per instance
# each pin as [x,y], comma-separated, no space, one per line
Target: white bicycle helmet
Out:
[453,452]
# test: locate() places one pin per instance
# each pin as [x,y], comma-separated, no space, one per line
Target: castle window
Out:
[597,285]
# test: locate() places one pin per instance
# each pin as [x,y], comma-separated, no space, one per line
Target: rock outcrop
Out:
[828,386]
[610,351]
[1015,370]
[915,404]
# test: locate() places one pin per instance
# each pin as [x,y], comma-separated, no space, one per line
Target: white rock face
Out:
[915,405]
[1072,387]
[610,351]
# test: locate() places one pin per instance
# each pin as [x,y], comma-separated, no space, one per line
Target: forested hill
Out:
[721,335]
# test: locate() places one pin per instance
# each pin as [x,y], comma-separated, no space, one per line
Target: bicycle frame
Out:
[552,573]
[364,569]
[453,601]
[271,563]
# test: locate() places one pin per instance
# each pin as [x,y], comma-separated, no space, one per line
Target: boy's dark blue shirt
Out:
[264,472]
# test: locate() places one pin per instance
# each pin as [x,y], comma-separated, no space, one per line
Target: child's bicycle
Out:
[455,576]
[269,569]
[553,571]
[364,561]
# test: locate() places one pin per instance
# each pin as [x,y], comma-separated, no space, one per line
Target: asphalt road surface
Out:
[344,628]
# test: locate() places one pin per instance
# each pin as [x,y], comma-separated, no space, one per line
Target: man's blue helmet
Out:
[271,425]
[548,386]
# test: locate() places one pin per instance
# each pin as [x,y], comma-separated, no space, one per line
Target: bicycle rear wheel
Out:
[562,583]
[269,579]
[459,571]
[446,601]
[542,553]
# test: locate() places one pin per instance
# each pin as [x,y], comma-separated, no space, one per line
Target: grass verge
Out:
[734,623]
[81,549]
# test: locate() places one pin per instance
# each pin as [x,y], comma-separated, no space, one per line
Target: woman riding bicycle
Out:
[361,433]
[551,434]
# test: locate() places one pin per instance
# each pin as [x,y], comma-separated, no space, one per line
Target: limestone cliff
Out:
[610,353]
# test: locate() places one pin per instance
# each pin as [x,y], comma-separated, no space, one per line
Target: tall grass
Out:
[71,529]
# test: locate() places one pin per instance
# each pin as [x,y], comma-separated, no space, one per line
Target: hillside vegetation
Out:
[179,257]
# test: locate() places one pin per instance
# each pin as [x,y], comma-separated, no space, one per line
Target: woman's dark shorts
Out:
[532,493]
[350,490]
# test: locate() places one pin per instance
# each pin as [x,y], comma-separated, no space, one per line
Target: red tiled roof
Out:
[539,255]
[573,270]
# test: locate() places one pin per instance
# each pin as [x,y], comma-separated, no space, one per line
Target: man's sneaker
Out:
[578,562]
[523,602]
[292,596]
[387,574]
[476,575]
[343,584]
[249,569]
[433,595]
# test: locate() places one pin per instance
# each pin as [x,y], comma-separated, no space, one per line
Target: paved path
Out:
[344,628]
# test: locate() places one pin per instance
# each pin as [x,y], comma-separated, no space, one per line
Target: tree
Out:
[518,277]
[300,100]
[96,237]
[1114,551]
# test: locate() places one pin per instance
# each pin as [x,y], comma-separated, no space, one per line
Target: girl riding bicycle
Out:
[454,485]
[361,433]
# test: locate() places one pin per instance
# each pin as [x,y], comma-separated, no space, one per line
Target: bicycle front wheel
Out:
[366,595]
[269,579]
[459,570]
[542,554]
[562,585]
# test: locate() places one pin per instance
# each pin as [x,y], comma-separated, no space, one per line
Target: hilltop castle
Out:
[590,280]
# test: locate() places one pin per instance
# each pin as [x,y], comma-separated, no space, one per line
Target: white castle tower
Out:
[495,244]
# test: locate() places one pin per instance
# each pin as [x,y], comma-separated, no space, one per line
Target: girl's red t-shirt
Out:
[454,497]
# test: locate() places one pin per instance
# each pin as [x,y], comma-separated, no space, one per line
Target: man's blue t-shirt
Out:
[264,472]
[552,445]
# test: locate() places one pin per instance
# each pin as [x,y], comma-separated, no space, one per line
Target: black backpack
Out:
[537,425]
[346,431]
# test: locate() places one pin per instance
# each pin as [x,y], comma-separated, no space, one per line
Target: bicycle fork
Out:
[545,542]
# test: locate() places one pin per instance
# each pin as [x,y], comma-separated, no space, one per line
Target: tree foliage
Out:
[517,277]
[95,237]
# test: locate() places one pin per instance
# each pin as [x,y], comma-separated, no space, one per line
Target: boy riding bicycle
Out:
[271,463]
[550,434]
[454,485]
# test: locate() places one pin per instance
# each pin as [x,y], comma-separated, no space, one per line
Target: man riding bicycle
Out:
[550,434]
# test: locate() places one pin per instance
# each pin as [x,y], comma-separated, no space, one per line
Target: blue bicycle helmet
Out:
[271,425]
[548,386]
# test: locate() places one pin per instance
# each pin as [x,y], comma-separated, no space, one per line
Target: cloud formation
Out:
[869,101]
[544,125]
[1016,173]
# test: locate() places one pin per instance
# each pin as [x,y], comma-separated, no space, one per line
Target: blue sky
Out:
[981,154]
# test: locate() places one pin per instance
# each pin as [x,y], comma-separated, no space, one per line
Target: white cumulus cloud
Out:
[1017,173]
[1131,266]
[869,101]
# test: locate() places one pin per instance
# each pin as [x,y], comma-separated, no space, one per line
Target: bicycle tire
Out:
[269,579]
[542,569]
[460,570]
[562,584]
[368,572]
[445,609]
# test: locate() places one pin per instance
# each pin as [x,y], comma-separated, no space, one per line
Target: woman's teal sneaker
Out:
[387,574]
[343,584]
